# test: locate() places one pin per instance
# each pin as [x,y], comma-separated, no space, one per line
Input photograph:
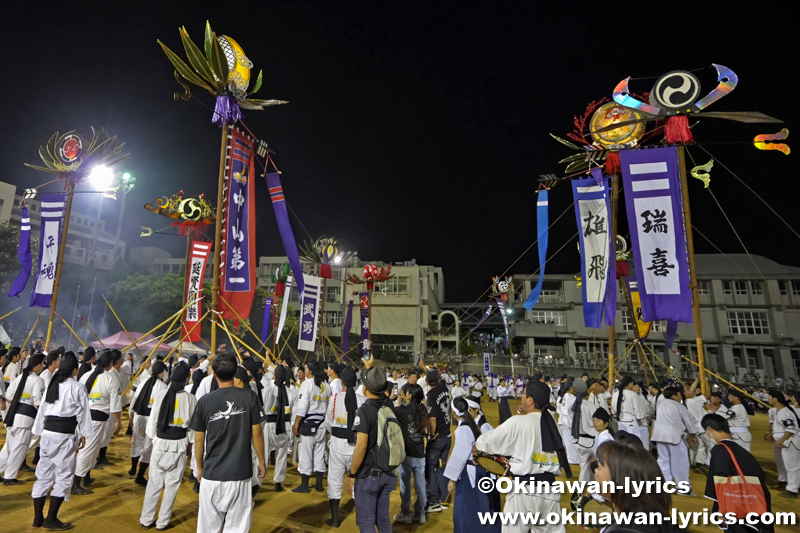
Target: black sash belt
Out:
[340,433]
[272,418]
[26,409]
[172,433]
[545,476]
[61,424]
[98,416]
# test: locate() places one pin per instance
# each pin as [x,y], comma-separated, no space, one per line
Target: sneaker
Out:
[444,505]
[434,508]
[11,482]
[402,518]
[421,519]
[789,494]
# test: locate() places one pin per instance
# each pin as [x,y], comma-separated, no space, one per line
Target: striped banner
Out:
[309,313]
[194,288]
[52,213]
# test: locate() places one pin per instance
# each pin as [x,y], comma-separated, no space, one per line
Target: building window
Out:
[740,287]
[748,323]
[796,287]
[80,252]
[702,287]
[783,286]
[726,287]
[756,287]
[396,285]
[627,325]
[332,294]
[91,223]
[555,318]
[333,319]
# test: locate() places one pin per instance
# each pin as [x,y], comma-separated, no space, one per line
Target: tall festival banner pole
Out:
[62,244]
[687,217]
[218,240]
[612,264]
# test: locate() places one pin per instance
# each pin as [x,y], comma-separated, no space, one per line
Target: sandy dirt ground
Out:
[116,503]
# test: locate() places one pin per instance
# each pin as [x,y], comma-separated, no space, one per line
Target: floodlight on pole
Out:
[101,176]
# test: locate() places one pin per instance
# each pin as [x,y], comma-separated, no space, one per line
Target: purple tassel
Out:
[226,111]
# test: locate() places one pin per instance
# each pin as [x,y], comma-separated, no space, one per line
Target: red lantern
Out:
[370,272]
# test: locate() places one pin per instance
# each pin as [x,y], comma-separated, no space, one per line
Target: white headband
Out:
[456,411]
[473,404]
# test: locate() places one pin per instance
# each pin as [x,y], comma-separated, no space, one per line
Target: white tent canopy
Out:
[188,348]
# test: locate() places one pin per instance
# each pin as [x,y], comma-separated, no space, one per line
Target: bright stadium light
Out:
[101,177]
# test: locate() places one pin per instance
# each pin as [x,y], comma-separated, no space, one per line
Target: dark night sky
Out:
[414,129]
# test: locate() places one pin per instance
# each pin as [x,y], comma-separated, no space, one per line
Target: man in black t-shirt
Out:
[372,485]
[438,401]
[225,422]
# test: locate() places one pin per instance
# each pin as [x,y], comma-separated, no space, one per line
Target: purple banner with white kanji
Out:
[598,271]
[23,253]
[502,308]
[348,323]
[309,313]
[363,300]
[52,220]
[655,219]
[483,318]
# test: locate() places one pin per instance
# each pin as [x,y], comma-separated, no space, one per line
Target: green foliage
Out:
[144,300]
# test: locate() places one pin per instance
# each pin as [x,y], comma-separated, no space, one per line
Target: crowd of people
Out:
[363,429]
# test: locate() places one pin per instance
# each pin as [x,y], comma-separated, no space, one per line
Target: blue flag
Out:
[542,226]
[23,254]
[285,229]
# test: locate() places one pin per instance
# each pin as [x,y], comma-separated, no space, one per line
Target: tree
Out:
[144,300]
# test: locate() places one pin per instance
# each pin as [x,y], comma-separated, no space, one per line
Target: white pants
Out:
[569,446]
[87,456]
[644,434]
[108,432]
[279,443]
[312,453]
[584,457]
[14,451]
[225,501]
[674,461]
[341,457]
[141,444]
[791,460]
[166,473]
[742,438]
[779,464]
[56,465]
[193,461]
[532,503]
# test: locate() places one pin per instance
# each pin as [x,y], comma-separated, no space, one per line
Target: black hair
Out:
[420,415]
[462,405]
[68,364]
[670,392]
[224,366]
[116,355]
[715,422]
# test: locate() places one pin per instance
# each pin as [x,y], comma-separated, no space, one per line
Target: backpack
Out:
[390,450]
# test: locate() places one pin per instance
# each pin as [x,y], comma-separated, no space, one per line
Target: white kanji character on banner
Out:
[236,258]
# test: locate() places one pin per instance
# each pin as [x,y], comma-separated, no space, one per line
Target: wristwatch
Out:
[350,474]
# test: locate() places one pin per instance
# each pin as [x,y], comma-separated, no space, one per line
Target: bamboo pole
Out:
[251,349]
[249,328]
[728,383]
[612,263]
[136,342]
[70,329]
[169,328]
[60,261]
[322,316]
[669,368]
[235,348]
[632,315]
[135,346]
[32,329]
[285,344]
[91,331]
[11,313]
[687,215]
[218,237]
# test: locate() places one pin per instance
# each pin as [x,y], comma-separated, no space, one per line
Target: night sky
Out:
[414,129]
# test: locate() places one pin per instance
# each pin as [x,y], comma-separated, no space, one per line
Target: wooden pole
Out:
[71,330]
[11,313]
[247,326]
[24,344]
[612,263]
[123,328]
[128,347]
[218,239]
[158,343]
[186,285]
[728,383]
[632,315]
[60,262]
[322,316]
[91,331]
[687,216]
